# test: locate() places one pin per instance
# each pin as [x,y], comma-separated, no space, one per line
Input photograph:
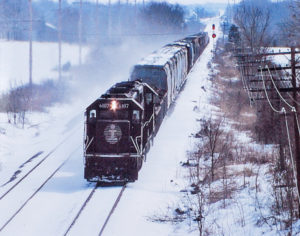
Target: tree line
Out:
[263,23]
[96,19]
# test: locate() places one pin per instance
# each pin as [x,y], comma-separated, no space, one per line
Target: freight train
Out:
[121,124]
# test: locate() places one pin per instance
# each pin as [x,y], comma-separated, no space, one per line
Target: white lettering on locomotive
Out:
[124,106]
[119,106]
[104,105]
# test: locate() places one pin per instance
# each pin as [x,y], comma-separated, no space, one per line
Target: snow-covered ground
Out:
[282,60]
[62,196]
[59,134]
[44,61]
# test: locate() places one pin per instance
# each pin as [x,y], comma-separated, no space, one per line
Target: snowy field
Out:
[58,135]
[61,197]
[44,61]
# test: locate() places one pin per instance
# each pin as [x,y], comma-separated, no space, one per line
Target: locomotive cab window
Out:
[136,118]
[92,116]
[92,113]
[156,100]
[148,98]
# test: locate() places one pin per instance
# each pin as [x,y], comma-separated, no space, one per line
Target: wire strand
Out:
[277,90]
[269,101]
[292,107]
[288,135]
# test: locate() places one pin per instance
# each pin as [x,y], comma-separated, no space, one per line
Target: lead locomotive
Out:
[120,125]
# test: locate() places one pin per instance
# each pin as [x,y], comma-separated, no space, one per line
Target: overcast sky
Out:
[183,2]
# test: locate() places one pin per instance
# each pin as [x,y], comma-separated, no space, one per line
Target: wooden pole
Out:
[30,43]
[80,31]
[97,24]
[135,16]
[119,18]
[109,18]
[59,40]
[296,131]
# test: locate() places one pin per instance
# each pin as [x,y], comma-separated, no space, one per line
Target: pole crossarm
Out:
[266,54]
[277,68]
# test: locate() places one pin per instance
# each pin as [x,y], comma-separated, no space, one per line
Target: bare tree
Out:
[212,132]
[18,103]
[253,19]
[291,28]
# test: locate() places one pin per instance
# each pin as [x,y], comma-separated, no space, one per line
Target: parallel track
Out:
[37,165]
[85,204]
[81,209]
[37,190]
[112,210]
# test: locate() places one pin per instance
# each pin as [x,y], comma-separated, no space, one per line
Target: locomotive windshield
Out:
[113,115]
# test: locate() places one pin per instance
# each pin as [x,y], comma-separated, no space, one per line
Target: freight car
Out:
[120,125]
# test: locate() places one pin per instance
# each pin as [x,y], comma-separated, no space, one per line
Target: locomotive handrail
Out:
[136,139]
[148,86]
[86,142]
[135,145]
[87,146]
[147,122]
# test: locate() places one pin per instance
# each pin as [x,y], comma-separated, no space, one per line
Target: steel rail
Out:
[112,210]
[81,209]
[37,165]
[35,192]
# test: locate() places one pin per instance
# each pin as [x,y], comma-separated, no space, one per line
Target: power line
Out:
[283,111]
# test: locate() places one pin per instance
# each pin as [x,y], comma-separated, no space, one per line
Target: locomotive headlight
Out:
[113,105]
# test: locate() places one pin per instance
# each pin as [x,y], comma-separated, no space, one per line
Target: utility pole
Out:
[135,16]
[224,27]
[109,18]
[30,43]
[80,30]
[59,39]
[294,89]
[119,18]
[296,131]
[97,25]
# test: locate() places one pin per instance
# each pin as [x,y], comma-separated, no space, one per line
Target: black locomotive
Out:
[120,125]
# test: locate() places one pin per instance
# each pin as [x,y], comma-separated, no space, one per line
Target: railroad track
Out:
[3,226]
[112,210]
[36,166]
[14,210]
[107,218]
[81,209]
